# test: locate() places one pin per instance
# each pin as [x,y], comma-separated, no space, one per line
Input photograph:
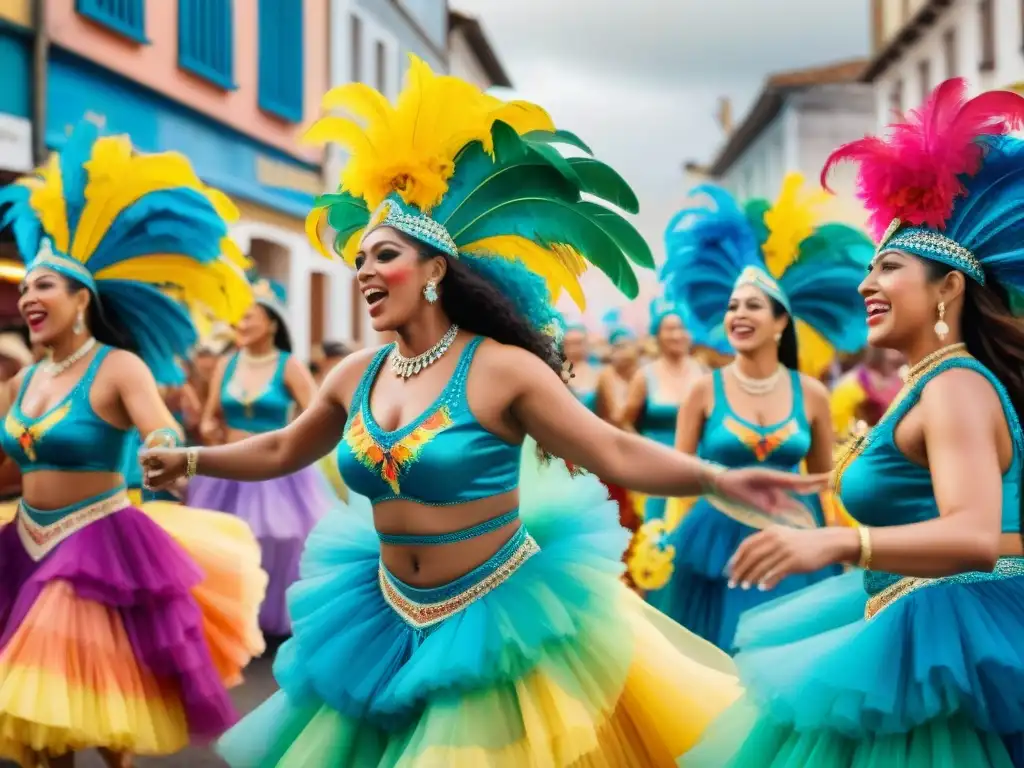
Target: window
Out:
[281,58]
[988,36]
[896,99]
[949,51]
[924,75]
[126,17]
[380,53]
[206,45]
[356,50]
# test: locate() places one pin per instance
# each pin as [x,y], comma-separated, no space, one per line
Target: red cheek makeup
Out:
[394,274]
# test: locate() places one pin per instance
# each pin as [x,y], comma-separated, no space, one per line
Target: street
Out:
[259,684]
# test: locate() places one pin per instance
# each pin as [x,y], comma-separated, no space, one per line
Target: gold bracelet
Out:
[865,547]
[191,462]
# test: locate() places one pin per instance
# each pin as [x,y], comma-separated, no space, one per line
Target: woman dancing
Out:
[474,621]
[759,410]
[255,390]
[916,661]
[652,402]
[112,636]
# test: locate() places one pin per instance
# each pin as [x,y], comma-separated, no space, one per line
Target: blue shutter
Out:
[281,58]
[126,17]
[206,40]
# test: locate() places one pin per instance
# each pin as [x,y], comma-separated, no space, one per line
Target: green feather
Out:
[558,137]
[601,181]
[346,215]
[630,241]
[755,210]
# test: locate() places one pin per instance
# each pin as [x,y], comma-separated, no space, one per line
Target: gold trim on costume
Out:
[423,615]
[39,540]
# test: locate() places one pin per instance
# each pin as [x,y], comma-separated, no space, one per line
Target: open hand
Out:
[162,467]
[768,490]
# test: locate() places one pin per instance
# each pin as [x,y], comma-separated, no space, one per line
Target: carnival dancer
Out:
[622,363]
[655,391]
[759,410]
[864,393]
[916,661]
[112,636]
[255,390]
[476,620]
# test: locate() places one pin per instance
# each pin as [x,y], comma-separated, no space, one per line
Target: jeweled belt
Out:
[424,609]
[42,530]
[1006,568]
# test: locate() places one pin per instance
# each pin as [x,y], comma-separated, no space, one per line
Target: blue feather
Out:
[73,172]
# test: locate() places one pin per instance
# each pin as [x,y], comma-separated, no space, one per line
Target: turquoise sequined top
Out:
[880,486]
[658,420]
[70,436]
[443,457]
[265,413]
[733,441]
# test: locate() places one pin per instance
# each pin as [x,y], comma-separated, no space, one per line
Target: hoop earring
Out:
[79,325]
[430,291]
[941,327]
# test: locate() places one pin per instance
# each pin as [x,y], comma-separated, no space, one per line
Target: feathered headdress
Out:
[812,270]
[127,226]
[614,329]
[480,180]
[946,183]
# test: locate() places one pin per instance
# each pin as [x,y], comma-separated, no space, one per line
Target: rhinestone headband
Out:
[929,244]
[391,213]
[46,258]
[760,279]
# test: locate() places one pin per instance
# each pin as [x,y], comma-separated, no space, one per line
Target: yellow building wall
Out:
[16,11]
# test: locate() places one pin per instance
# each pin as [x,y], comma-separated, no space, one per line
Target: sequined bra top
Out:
[444,457]
[658,420]
[733,441]
[265,412]
[69,437]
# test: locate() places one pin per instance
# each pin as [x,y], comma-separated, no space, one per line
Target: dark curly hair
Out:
[789,353]
[103,322]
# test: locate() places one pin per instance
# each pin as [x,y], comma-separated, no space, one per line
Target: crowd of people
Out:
[778,527]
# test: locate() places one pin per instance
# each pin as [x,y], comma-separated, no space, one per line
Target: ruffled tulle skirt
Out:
[933,680]
[554,664]
[697,594]
[127,633]
[281,513]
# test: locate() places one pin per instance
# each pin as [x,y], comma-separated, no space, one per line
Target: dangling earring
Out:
[941,328]
[79,325]
[430,291]
[778,337]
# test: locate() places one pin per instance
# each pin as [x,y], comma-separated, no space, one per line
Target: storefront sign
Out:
[15,144]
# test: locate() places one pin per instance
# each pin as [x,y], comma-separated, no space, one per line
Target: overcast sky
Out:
[639,80]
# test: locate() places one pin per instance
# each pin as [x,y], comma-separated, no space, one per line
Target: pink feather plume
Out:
[913,173]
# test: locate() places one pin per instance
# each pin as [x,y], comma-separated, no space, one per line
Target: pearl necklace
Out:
[757,387]
[404,367]
[915,370]
[57,368]
[252,359]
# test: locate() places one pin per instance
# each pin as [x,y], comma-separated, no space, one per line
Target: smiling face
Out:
[900,298]
[392,275]
[750,320]
[624,355]
[50,305]
[255,327]
[673,338]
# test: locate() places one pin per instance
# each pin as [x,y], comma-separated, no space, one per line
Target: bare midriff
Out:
[50,490]
[434,565]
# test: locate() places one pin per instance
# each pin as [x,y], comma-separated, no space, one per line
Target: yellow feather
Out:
[316,219]
[560,266]
[351,248]
[815,354]
[790,221]
[47,200]
[410,147]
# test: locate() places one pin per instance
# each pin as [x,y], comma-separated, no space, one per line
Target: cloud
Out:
[640,80]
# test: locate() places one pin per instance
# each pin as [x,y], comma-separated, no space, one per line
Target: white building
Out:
[919,43]
[370,42]
[796,121]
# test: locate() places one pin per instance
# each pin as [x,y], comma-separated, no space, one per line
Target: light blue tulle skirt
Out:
[933,680]
[698,595]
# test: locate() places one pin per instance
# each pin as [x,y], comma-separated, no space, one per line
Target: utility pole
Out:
[40,73]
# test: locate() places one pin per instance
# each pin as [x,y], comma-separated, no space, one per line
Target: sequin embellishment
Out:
[390,462]
[28,436]
[762,444]
[40,538]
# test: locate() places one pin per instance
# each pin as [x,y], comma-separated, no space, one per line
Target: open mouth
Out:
[741,330]
[374,298]
[35,318]
[877,310]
